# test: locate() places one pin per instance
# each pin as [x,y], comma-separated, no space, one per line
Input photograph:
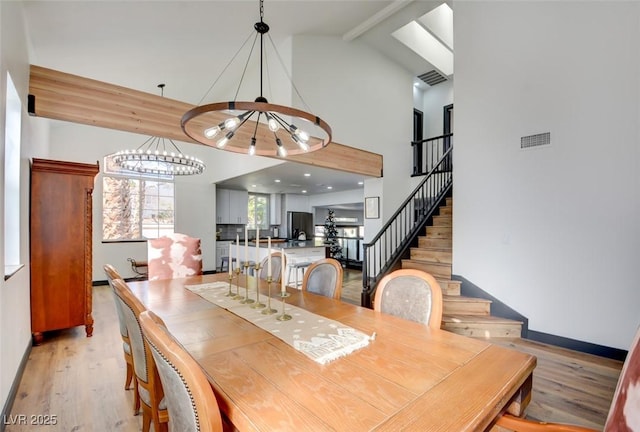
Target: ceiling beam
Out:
[62,96]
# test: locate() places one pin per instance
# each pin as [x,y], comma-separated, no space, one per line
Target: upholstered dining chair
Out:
[173,256]
[154,409]
[624,413]
[410,294]
[324,277]
[278,261]
[112,274]
[190,400]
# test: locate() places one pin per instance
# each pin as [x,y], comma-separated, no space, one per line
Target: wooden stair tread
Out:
[484,319]
[427,262]
[459,298]
[434,248]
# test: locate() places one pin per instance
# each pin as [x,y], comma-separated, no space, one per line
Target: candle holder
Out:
[283,316]
[230,293]
[246,300]
[257,304]
[237,296]
[284,293]
[269,310]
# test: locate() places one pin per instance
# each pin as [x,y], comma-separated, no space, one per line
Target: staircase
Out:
[463,315]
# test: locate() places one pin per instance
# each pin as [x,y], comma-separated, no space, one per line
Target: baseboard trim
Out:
[577,345]
[13,391]
[498,308]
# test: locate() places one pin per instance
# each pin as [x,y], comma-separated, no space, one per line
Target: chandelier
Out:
[160,156]
[258,127]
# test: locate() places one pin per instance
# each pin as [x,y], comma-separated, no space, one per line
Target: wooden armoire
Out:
[61,242]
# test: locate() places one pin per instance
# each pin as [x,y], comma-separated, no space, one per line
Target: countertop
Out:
[288,244]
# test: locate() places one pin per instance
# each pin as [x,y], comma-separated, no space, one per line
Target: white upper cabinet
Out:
[275,209]
[232,206]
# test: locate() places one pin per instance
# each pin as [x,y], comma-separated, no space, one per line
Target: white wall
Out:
[368,101]
[551,231]
[434,100]
[15,321]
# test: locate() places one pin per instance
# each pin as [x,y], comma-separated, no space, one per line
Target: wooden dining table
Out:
[410,377]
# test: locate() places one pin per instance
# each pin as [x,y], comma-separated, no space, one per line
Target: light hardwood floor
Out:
[80,380]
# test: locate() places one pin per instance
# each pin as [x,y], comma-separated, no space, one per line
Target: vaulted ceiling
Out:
[139,44]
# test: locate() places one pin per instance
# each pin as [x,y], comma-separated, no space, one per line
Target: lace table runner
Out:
[319,338]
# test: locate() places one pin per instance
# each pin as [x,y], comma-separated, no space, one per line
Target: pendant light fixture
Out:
[159,156]
[258,127]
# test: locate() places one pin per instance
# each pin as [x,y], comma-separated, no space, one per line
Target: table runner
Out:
[319,338]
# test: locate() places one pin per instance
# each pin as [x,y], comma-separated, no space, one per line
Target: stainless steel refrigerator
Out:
[299,222]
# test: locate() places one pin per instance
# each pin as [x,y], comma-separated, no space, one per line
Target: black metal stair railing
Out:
[428,152]
[385,250]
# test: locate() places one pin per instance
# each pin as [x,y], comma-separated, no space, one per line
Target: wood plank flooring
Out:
[80,380]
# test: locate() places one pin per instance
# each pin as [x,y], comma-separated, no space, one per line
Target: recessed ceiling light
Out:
[304,191]
[277,180]
[307,175]
[329,187]
[253,185]
[360,182]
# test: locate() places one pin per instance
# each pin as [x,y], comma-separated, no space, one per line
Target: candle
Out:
[284,287]
[246,244]
[237,251]
[257,245]
[231,255]
[269,256]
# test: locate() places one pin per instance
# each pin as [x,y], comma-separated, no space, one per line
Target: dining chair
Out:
[190,400]
[173,256]
[278,261]
[624,413]
[410,294]
[154,409]
[112,274]
[324,277]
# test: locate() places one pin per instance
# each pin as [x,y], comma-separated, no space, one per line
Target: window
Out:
[258,211]
[136,206]
[13,122]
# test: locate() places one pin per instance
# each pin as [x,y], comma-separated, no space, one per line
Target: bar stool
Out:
[224,263]
[295,267]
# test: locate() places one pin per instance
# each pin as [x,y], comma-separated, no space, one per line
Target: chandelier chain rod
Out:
[255,131]
[288,74]
[261,56]
[246,65]
[225,68]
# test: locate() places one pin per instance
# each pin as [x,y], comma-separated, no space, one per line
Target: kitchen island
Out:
[296,252]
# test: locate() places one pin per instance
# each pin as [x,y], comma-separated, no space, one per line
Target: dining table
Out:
[407,377]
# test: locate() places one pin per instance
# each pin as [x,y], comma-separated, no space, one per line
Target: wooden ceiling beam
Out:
[62,96]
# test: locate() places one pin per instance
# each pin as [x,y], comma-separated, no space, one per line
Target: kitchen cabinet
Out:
[232,206]
[222,249]
[61,246]
[275,209]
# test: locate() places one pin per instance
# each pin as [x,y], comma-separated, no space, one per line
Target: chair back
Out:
[410,294]
[174,256]
[190,400]
[112,274]
[624,414]
[143,363]
[324,277]
[278,261]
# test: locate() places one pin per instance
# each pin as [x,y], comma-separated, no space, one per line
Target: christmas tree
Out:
[330,234]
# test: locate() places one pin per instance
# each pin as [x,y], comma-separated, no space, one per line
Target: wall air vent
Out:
[432,77]
[535,140]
